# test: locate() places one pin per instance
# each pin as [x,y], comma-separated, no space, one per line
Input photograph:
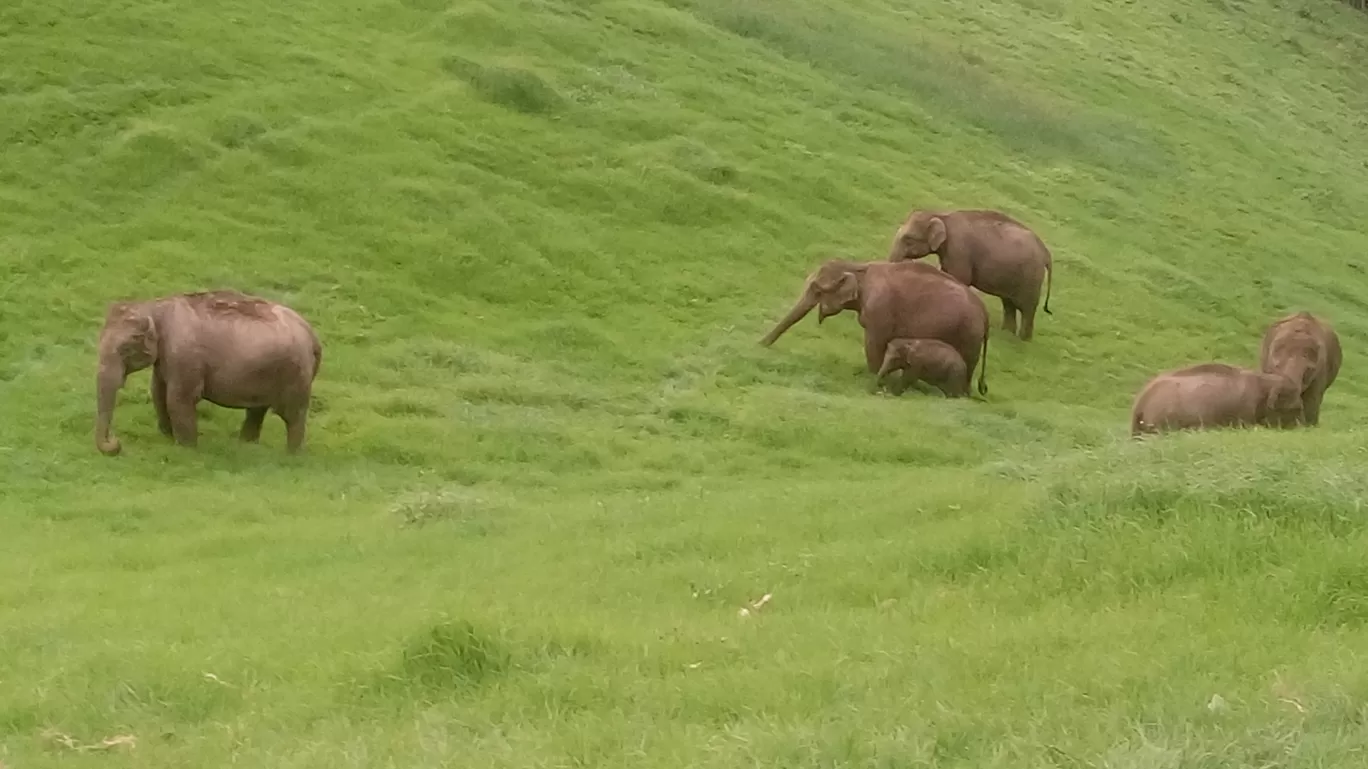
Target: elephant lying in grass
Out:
[892,300]
[1307,350]
[1210,395]
[229,348]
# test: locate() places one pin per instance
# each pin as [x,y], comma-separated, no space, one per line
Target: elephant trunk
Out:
[1296,370]
[107,385]
[889,363]
[802,307]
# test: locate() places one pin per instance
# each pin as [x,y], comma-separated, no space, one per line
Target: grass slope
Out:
[549,462]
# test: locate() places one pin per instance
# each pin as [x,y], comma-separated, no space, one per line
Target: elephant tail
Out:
[1049,279]
[983,360]
[317,355]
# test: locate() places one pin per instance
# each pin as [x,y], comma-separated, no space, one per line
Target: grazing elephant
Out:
[988,250]
[910,299]
[1305,349]
[1211,395]
[228,348]
[928,360]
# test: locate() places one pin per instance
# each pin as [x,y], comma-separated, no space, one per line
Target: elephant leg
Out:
[1009,313]
[875,346]
[296,420]
[159,403]
[251,424]
[181,399]
[922,385]
[1028,314]
[1311,403]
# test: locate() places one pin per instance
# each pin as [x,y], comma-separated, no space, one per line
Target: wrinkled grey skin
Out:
[926,360]
[908,299]
[988,250]
[1307,350]
[1212,395]
[229,348]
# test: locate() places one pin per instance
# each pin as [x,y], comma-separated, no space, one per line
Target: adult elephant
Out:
[231,349]
[1305,349]
[893,300]
[988,250]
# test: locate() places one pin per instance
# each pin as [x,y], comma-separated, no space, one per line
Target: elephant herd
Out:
[903,299]
[921,321]
[925,323]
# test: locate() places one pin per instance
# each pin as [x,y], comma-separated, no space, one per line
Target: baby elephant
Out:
[1215,395]
[929,360]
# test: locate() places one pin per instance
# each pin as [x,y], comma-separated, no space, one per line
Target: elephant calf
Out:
[927,360]
[229,348]
[1211,395]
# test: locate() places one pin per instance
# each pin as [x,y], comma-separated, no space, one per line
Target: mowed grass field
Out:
[548,462]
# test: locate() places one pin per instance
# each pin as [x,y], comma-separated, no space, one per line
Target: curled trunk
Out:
[802,307]
[107,384]
[1298,369]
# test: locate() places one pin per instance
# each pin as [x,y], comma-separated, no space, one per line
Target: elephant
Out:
[1209,395]
[988,250]
[909,299]
[1307,350]
[928,360]
[229,348]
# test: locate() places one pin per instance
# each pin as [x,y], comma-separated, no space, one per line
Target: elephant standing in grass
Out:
[988,250]
[927,360]
[910,299]
[1210,395]
[229,348]
[1305,349]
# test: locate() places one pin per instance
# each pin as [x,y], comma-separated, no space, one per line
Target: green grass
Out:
[549,463]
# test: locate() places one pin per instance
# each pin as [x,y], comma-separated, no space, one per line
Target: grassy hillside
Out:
[548,462]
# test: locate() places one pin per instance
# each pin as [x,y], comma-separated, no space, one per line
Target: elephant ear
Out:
[935,233]
[147,329]
[847,289]
[141,344]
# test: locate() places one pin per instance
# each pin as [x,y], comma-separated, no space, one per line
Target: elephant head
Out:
[923,233]
[128,343]
[895,356]
[1296,356]
[833,288]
